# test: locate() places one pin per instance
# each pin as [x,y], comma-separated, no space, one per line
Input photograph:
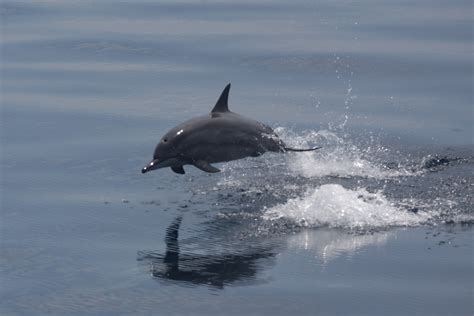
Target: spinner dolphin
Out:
[220,136]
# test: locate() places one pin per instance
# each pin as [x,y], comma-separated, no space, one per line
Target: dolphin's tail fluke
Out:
[302,149]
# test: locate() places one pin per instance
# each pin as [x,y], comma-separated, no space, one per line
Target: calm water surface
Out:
[379,221]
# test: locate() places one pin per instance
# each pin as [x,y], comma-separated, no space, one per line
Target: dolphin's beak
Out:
[151,166]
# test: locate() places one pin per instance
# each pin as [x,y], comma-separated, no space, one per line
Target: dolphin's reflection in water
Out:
[215,270]
[249,259]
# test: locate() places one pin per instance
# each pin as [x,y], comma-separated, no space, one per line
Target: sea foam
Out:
[338,157]
[332,205]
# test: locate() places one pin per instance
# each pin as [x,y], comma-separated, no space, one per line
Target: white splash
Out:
[337,157]
[333,205]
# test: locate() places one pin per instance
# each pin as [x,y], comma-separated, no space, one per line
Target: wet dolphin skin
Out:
[220,136]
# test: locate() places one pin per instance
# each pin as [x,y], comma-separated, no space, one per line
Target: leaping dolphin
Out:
[220,136]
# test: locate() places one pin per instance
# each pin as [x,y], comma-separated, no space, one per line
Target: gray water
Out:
[379,221]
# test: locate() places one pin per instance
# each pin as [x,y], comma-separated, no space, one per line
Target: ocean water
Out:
[378,221]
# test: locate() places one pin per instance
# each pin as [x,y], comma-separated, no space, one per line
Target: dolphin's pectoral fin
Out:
[178,169]
[205,166]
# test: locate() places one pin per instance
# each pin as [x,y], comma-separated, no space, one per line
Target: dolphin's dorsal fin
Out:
[221,105]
